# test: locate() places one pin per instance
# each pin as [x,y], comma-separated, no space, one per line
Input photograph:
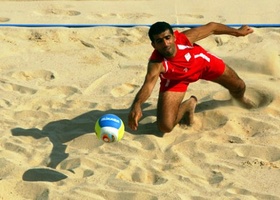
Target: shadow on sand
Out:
[62,131]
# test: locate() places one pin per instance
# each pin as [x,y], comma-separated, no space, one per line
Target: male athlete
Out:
[178,61]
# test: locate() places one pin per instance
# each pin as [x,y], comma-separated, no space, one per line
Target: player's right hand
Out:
[134,117]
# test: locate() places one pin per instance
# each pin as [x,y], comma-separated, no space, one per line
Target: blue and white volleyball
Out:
[109,128]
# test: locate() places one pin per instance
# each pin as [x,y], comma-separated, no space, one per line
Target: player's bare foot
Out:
[188,118]
[246,103]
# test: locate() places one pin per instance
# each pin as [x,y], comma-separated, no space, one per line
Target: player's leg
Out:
[236,86]
[188,107]
[171,109]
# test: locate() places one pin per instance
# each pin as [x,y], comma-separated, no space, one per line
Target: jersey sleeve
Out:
[156,56]
[181,38]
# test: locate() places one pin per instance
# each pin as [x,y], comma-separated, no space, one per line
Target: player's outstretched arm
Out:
[154,69]
[201,32]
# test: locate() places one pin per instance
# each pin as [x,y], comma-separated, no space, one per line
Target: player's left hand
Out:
[245,30]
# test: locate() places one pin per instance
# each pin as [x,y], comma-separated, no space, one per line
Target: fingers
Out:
[133,119]
[248,29]
[134,126]
[245,30]
[132,123]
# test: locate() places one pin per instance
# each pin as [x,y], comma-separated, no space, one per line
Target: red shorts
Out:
[207,71]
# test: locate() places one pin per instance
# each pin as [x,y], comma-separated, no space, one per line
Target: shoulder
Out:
[156,57]
[156,67]
[181,38]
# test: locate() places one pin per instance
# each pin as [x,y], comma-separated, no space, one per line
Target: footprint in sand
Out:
[87,44]
[7,167]
[210,120]
[31,75]
[234,139]
[265,153]
[124,15]
[4,19]
[97,83]
[134,16]
[5,103]
[74,166]
[219,41]
[221,19]
[136,172]
[261,97]
[62,90]
[256,127]
[123,90]
[30,114]
[70,164]
[63,12]
[215,178]
[17,88]
[146,143]
[197,16]
[57,11]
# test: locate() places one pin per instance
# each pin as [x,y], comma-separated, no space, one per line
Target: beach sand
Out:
[56,82]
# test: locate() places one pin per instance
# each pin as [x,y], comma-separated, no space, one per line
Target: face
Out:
[164,43]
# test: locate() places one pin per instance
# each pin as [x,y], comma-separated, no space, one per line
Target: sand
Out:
[56,82]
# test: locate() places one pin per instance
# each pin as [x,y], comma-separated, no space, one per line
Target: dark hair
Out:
[158,28]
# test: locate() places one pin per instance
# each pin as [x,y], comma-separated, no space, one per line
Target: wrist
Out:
[136,105]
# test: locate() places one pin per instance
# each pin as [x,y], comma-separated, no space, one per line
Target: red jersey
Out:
[190,64]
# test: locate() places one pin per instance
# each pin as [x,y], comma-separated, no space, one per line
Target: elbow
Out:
[213,25]
[215,28]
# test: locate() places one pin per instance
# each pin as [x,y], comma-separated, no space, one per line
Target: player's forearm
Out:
[222,29]
[199,33]
[141,97]
[219,29]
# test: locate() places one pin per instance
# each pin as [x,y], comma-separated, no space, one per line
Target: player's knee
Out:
[239,89]
[165,127]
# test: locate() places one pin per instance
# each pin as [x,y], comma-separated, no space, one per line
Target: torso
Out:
[186,64]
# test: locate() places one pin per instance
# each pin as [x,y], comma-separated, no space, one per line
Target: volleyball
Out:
[109,128]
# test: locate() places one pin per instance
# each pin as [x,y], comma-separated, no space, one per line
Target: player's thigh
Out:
[229,79]
[168,106]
